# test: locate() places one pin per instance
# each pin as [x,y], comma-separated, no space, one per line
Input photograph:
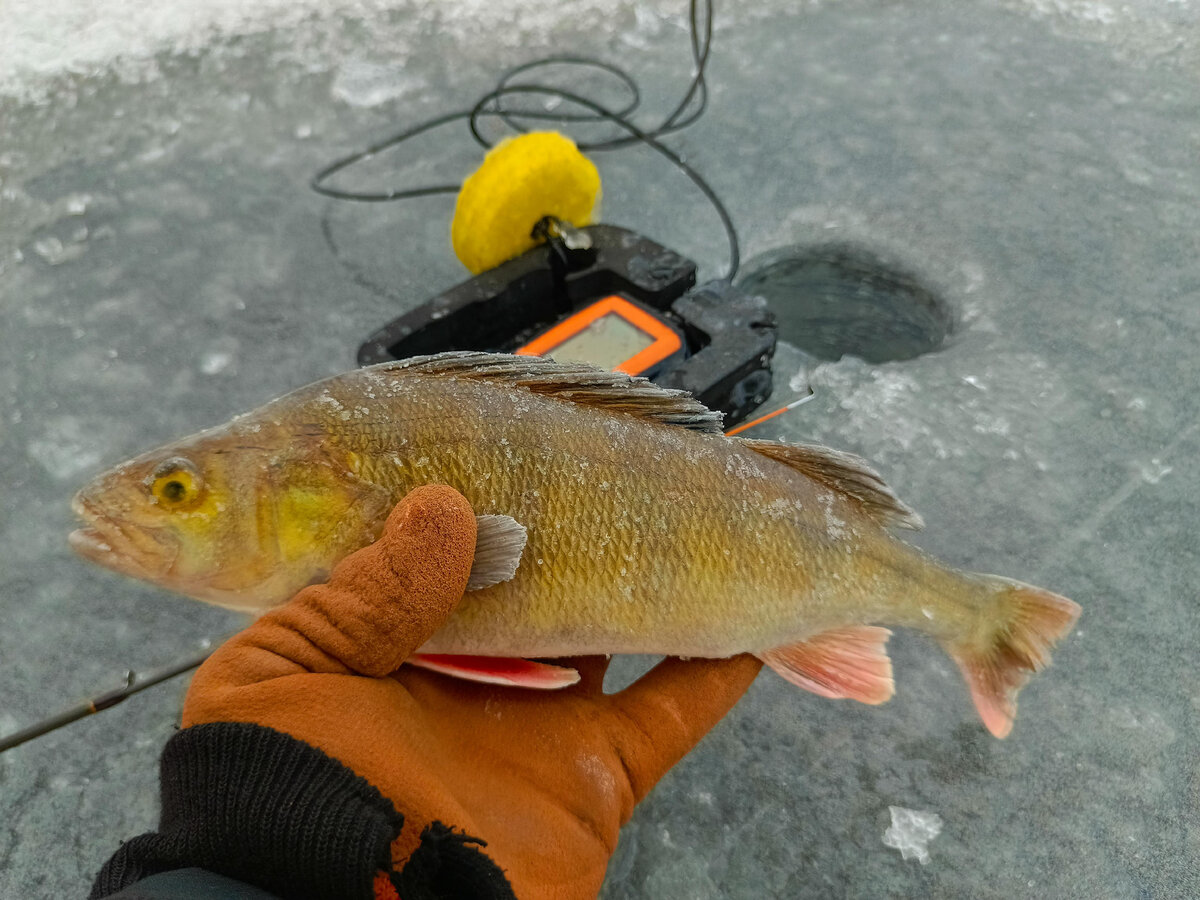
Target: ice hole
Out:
[837,300]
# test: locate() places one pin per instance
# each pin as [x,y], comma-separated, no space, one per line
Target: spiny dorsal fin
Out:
[574,382]
[845,473]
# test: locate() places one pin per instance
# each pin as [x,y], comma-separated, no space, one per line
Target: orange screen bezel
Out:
[665,342]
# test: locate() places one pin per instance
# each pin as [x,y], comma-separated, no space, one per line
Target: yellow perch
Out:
[648,530]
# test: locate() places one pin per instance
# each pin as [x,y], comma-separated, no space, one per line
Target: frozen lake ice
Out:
[164,266]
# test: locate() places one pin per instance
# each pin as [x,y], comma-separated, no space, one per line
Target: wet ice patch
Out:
[55,251]
[66,448]
[1083,10]
[967,405]
[8,723]
[911,831]
[364,84]
[218,356]
[213,363]
[884,397]
[798,383]
[1154,471]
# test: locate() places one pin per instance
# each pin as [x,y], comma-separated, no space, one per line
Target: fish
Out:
[615,517]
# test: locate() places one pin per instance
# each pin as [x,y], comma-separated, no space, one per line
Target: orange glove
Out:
[546,779]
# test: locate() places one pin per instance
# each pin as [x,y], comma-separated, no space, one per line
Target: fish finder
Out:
[606,296]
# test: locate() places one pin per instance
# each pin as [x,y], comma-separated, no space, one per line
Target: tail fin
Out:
[1011,641]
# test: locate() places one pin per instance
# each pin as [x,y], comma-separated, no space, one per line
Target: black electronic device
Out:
[607,296]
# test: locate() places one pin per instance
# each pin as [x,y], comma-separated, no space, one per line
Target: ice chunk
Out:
[55,252]
[67,447]
[911,831]
[1154,471]
[215,362]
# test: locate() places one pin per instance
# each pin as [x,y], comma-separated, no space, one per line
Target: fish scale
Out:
[644,561]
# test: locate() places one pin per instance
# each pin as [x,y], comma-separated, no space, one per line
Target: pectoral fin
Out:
[510,671]
[498,547]
[848,662]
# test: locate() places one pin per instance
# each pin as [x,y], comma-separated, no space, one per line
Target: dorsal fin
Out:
[845,473]
[574,382]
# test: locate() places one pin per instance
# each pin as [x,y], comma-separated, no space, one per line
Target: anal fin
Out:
[506,670]
[850,663]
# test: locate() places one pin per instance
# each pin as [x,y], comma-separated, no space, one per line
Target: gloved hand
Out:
[546,778]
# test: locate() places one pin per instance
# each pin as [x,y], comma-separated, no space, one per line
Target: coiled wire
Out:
[491,106]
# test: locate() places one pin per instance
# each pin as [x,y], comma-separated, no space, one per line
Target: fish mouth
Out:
[130,551]
[89,543]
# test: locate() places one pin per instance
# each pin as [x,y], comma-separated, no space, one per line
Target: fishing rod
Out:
[134,684]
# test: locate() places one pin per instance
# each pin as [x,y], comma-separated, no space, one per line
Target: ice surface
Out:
[1035,164]
[911,831]
[43,41]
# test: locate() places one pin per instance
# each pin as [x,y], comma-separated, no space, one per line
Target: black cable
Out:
[510,117]
[700,51]
[695,98]
[347,161]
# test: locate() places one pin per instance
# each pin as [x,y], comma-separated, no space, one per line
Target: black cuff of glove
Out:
[259,806]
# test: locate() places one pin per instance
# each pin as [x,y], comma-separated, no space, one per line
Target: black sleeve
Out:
[245,802]
[191,884]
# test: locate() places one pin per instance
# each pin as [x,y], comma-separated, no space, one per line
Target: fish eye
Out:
[176,484]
